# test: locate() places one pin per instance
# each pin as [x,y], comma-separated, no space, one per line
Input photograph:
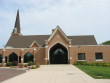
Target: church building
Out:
[56,48]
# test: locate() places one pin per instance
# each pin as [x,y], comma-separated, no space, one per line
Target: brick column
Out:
[22,56]
[3,59]
[70,53]
[46,53]
[34,55]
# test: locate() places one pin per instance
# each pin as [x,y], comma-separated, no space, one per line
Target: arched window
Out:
[13,57]
[28,57]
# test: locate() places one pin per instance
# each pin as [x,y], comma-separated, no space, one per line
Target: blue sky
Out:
[39,17]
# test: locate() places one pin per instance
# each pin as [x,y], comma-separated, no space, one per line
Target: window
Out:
[81,56]
[99,56]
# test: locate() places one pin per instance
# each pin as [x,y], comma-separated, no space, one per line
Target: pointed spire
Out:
[17,28]
[57,26]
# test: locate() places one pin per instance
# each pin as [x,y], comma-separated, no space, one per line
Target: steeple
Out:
[17,29]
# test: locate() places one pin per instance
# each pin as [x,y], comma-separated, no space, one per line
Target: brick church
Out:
[56,48]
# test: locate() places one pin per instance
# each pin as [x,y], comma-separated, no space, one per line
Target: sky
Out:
[39,17]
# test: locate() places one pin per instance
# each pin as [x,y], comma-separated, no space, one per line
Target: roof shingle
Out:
[26,41]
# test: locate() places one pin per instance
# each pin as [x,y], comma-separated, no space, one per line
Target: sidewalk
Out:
[53,74]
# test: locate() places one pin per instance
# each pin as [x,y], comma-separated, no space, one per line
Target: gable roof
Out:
[83,40]
[55,31]
[26,41]
[34,43]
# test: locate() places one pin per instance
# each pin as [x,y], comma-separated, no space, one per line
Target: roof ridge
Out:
[35,35]
[83,35]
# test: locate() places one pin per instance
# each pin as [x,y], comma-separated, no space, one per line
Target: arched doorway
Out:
[13,58]
[58,54]
[28,57]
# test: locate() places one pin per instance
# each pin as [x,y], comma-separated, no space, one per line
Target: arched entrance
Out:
[58,54]
[28,57]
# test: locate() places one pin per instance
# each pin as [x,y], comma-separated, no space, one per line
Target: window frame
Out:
[83,57]
[97,55]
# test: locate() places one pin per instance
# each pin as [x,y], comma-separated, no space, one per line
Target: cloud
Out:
[75,17]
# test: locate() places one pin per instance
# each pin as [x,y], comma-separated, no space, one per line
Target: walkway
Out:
[53,74]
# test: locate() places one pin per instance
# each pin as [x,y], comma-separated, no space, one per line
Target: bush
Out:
[92,64]
[106,64]
[80,63]
[98,64]
[25,65]
[12,66]
[33,67]
[37,65]
[9,64]
[15,63]
[31,63]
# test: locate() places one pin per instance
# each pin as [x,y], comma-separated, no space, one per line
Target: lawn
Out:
[97,72]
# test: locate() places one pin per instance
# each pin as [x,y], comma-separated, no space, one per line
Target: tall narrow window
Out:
[81,56]
[0,58]
[99,56]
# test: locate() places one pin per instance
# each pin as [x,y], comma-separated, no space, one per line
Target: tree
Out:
[106,42]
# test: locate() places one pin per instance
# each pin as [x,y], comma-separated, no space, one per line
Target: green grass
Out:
[97,72]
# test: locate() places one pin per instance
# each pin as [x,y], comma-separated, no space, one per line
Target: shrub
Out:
[92,64]
[15,63]
[106,64]
[98,64]
[76,63]
[12,66]
[25,65]
[37,65]
[80,63]
[9,64]
[33,67]
[31,63]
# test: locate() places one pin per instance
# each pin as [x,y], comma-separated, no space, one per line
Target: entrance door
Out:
[58,54]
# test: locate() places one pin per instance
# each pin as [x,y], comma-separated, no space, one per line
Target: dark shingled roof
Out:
[26,41]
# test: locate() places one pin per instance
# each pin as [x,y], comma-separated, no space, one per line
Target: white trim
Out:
[58,29]
[33,43]
[22,48]
[99,60]
[88,45]
[53,45]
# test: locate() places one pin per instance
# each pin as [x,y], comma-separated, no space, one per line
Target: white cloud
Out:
[75,17]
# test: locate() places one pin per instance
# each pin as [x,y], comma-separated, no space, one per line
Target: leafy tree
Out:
[106,42]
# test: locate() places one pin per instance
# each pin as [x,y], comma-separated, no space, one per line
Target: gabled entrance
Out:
[58,54]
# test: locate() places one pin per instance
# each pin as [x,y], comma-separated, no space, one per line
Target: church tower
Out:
[17,29]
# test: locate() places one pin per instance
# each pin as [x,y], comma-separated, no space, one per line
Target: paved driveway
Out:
[53,74]
[6,73]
